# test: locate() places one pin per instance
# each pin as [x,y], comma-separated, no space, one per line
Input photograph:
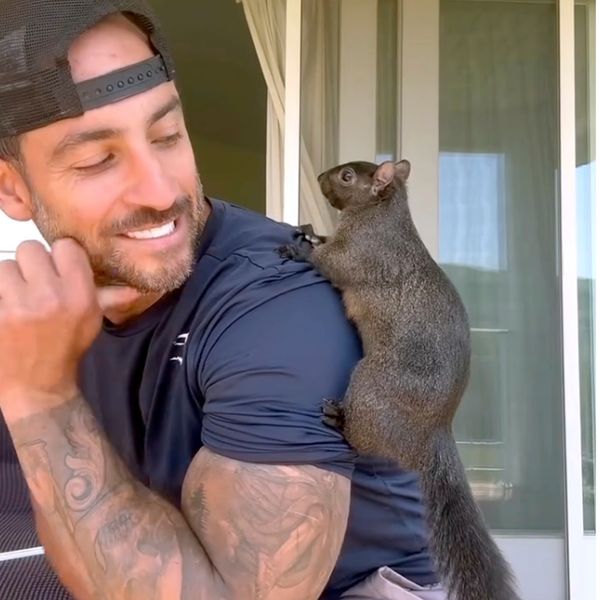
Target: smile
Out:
[152,234]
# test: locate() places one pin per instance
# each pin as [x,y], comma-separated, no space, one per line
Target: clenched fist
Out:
[49,316]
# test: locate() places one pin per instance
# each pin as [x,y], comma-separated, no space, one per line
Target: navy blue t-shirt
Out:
[239,360]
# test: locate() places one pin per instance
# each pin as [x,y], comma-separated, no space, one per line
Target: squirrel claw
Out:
[301,249]
[299,252]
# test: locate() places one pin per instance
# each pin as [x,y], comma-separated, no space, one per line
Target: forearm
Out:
[62,554]
[128,542]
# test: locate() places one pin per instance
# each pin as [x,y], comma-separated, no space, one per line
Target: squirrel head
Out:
[362,184]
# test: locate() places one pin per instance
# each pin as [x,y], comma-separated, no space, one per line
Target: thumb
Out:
[116,296]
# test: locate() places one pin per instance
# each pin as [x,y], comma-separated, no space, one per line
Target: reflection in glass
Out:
[498,243]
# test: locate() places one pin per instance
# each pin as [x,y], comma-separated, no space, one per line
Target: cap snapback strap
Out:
[122,83]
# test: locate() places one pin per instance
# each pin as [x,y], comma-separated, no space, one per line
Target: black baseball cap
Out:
[36,85]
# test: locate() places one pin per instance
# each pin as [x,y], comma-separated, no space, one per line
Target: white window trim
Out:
[596,210]
[575,550]
[293,77]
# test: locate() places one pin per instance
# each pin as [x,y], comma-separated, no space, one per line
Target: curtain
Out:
[266,21]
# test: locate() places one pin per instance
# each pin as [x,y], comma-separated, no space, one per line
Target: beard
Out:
[112,265]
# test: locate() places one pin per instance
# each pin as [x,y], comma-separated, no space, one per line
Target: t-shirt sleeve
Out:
[265,379]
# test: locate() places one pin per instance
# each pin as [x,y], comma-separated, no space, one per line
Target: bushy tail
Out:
[469,562]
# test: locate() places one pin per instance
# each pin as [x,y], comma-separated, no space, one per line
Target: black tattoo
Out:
[197,507]
[86,461]
[130,542]
[281,528]
[256,532]
[118,530]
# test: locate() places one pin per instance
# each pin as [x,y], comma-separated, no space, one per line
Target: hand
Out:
[49,316]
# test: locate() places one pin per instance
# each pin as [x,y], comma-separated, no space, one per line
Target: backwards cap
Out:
[36,85]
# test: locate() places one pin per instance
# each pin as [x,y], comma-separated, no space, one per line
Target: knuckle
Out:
[81,303]
[49,302]
[70,258]
[29,248]
[30,244]
[8,267]
[67,247]
[18,313]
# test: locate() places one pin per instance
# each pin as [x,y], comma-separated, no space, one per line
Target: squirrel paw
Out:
[333,414]
[308,233]
[299,252]
[301,249]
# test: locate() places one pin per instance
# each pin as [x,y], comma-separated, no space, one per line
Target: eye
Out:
[97,166]
[169,140]
[348,175]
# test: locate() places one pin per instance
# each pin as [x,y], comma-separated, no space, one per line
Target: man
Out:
[162,368]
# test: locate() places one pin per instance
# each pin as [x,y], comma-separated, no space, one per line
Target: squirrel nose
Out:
[324,185]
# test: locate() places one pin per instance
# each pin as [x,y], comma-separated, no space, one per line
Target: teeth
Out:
[152,234]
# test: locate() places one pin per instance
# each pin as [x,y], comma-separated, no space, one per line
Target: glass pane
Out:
[387,80]
[349,104]
[498,242]
[586,169]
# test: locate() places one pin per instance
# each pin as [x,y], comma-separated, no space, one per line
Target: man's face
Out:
[121,179]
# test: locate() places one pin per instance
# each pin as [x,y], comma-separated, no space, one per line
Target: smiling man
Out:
[162,369]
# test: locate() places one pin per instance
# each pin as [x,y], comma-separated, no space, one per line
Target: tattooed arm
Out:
[273,532]
[249,531]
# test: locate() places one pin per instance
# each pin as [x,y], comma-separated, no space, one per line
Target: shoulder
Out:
[241,286]
[271,341]
[247,234]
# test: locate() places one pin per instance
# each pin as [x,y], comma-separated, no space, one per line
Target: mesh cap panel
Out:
[36,86]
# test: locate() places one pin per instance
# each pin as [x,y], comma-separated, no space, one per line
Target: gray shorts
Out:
[386,584]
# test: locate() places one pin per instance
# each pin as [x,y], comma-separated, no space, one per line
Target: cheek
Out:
[89,208]
[83,211]
[184,167]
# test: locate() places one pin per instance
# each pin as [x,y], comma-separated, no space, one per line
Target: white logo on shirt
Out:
[180,342]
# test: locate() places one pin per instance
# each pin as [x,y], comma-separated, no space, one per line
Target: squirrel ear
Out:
[403,170]
[383,177]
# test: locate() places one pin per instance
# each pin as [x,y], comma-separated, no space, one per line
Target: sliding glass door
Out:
[477,95]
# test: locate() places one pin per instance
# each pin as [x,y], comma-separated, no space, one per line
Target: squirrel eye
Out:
[347,175]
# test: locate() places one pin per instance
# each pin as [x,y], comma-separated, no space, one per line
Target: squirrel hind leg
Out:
[333,414]
[384,432]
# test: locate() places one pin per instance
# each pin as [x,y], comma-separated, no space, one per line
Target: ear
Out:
[15,198]
[383,177]
[402,170]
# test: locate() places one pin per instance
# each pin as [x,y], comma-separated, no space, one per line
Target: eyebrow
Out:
[99,135]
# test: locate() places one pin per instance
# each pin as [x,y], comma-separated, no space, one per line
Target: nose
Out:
[152,186]
[324,184]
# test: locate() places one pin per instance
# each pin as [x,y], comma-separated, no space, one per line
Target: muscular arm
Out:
[273,532]
[249,531]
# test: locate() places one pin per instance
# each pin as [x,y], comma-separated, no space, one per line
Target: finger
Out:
[11,279]
[36,264]
[116,297]
[72,263]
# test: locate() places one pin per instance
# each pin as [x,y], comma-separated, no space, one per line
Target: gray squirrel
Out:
[404,393]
